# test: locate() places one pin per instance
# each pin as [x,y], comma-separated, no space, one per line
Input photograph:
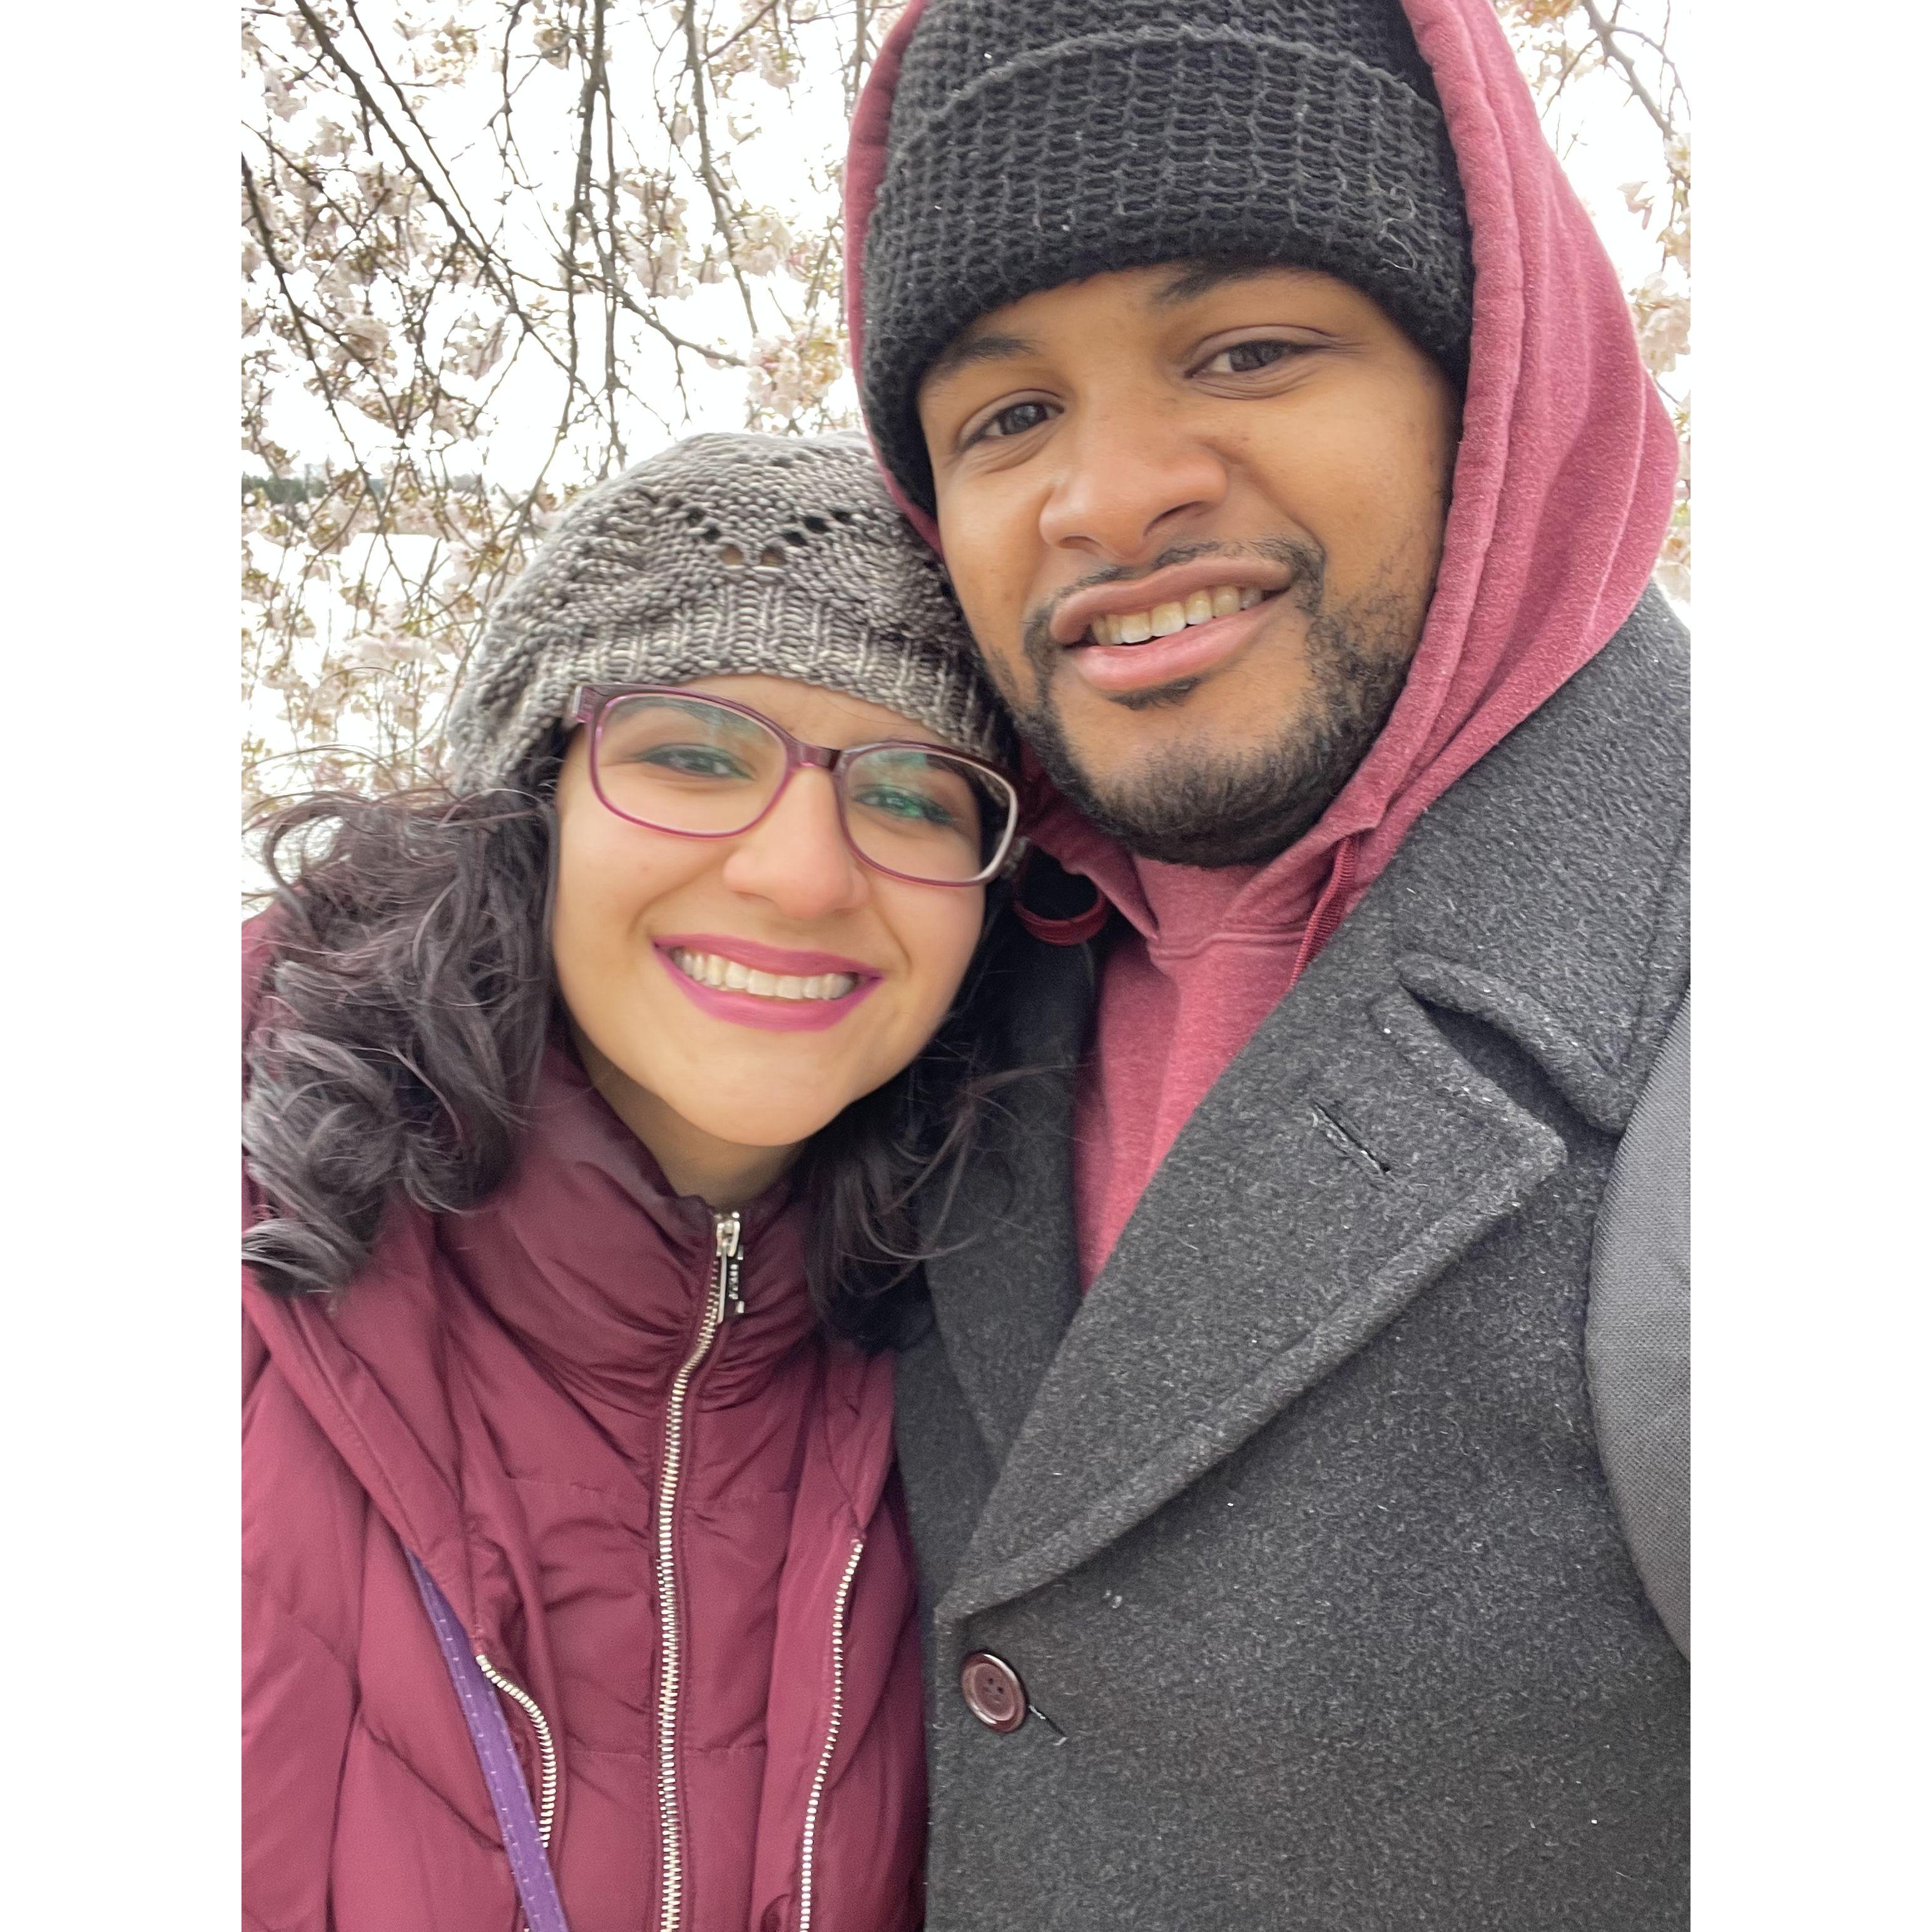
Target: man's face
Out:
[1193,514]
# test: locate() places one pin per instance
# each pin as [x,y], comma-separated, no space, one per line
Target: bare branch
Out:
[711,53]
[707,170]
[1608,38]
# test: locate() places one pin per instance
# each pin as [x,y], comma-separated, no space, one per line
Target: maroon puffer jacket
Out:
[498,1392]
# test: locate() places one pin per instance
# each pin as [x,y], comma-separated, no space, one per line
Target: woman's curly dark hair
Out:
[406,999]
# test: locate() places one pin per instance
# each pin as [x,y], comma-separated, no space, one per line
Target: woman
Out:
[574,1103]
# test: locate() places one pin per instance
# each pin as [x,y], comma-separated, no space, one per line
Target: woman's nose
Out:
[796,857]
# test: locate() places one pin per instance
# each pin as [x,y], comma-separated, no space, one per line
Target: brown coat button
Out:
[993,1691]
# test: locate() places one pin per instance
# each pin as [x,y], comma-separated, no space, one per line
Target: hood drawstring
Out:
[1330,908]
[1055,928]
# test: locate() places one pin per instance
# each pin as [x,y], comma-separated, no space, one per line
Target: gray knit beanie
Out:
[1034,142]
[725,554]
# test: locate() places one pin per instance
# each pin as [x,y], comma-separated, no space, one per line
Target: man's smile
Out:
[1132,611]
[1132,635]
[1187,650]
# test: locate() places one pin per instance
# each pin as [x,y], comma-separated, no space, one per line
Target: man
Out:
[1296,1458]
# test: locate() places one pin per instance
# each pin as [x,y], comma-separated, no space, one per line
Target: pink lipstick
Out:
[776,988]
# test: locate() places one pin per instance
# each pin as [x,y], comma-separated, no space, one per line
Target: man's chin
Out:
[1187,805]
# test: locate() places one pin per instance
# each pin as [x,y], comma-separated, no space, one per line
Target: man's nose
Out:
[796,858]
[1130,481]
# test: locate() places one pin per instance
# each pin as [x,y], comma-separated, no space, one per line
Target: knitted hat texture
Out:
[1034,142]
[725,553]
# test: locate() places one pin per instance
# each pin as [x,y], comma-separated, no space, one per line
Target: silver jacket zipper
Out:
[721,1298]
[546,1743]
[811,1803]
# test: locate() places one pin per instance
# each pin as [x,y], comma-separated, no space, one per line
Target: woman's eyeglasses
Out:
[706,768]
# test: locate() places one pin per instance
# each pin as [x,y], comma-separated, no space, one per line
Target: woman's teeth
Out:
[728,976]
[1136,627]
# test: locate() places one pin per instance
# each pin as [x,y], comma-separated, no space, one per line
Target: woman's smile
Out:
[750,984]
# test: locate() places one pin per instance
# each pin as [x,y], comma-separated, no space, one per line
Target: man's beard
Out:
[1193,806]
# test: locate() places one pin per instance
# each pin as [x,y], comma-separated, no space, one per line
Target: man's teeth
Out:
[730,976]
[1136,627]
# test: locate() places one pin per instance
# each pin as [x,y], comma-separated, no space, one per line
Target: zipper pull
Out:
[729,1236]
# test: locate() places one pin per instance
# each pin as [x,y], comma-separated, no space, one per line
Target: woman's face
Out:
[722,1085]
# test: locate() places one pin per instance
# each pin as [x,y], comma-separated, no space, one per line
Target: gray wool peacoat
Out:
[1289,1550]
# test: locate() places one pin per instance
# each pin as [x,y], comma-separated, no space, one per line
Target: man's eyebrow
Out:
[966,350]
[1200,278]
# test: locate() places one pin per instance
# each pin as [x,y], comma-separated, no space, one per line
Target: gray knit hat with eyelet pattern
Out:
[1035,142]
[725,553]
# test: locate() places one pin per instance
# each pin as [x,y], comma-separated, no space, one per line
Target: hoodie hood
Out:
[1561,495]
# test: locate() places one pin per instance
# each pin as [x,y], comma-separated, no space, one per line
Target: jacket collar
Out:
[1346,1158]
[599,1270]
[583,1263]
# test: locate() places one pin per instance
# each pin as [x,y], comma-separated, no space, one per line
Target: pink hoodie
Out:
[1562,493]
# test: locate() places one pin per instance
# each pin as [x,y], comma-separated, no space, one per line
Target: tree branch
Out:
[720,207]
[1607,36]
[711,53]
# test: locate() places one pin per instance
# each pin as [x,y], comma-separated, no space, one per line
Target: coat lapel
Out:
[1345,1160]
[1002,1299]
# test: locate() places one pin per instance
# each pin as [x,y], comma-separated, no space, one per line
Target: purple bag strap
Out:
[490,1732]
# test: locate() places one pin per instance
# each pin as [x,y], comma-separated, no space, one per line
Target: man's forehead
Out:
[992,337]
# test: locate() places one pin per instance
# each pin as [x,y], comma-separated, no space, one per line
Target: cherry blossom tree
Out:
[495,249]
[467,220]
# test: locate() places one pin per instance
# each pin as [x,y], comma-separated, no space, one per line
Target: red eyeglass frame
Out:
[589,703]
